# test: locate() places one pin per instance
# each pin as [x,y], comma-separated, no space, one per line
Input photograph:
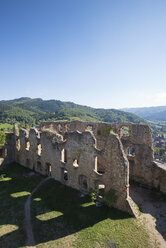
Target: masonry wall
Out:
[138,138]
[87,155]
[74,159]
[7,153]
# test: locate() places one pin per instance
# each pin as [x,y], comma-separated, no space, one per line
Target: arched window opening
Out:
[59,128]
[64,175]
[125,131]
[67,128]
[131,151]
[89,128]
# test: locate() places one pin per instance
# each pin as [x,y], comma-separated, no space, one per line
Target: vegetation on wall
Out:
[2,138]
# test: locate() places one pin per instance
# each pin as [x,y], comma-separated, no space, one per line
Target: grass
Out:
[6,127]
[60,218]
[14,189]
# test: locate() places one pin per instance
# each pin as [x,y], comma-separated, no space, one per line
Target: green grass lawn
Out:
[61,218]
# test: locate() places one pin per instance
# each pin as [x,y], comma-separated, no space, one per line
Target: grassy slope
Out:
[60,217]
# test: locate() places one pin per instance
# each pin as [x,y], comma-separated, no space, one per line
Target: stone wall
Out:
[73,158]
[135,138]
[88,155]
[7,153]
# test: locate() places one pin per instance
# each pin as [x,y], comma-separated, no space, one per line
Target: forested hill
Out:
[149,113]
[30,111]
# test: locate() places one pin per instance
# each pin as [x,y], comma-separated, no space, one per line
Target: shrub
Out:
[93,194]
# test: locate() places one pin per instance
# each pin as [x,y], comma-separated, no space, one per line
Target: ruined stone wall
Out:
[74,159]
[7,153]
[159,176]
[88,155]
[135,138]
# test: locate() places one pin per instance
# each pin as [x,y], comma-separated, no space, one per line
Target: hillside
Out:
[149,113]
[30,111]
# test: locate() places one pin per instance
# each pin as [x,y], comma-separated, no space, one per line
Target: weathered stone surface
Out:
[87,155]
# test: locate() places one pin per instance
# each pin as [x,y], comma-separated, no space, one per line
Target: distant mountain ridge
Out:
[31,111]
[149,113]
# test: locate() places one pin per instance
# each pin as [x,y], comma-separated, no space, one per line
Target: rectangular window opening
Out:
[64,156]
[48,169]
[39,150]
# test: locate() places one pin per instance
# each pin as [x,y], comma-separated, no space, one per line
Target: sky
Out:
[100,53]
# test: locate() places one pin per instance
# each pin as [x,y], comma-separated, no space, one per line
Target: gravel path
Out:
[28,226]
[153,215]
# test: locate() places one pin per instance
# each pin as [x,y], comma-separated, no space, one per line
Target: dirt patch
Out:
[153,215]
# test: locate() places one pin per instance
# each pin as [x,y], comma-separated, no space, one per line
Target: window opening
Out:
[101,190]
[65,175]
[131,151]
[89,128]
[39,150]
[27,145]
[75,163]
[64,155]
[83,182]
[67,127]
[39,167]
[18,145]
[99,165]
[48,169]
[27,162]
[125,131]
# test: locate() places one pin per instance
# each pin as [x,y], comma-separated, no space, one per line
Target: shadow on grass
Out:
[14,189]
[76,213]
[57,211]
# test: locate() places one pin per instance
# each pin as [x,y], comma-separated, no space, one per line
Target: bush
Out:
[93,194]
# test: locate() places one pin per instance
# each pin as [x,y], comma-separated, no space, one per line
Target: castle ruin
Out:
[89,155]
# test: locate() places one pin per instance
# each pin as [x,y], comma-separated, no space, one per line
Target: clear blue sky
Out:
[101,53]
